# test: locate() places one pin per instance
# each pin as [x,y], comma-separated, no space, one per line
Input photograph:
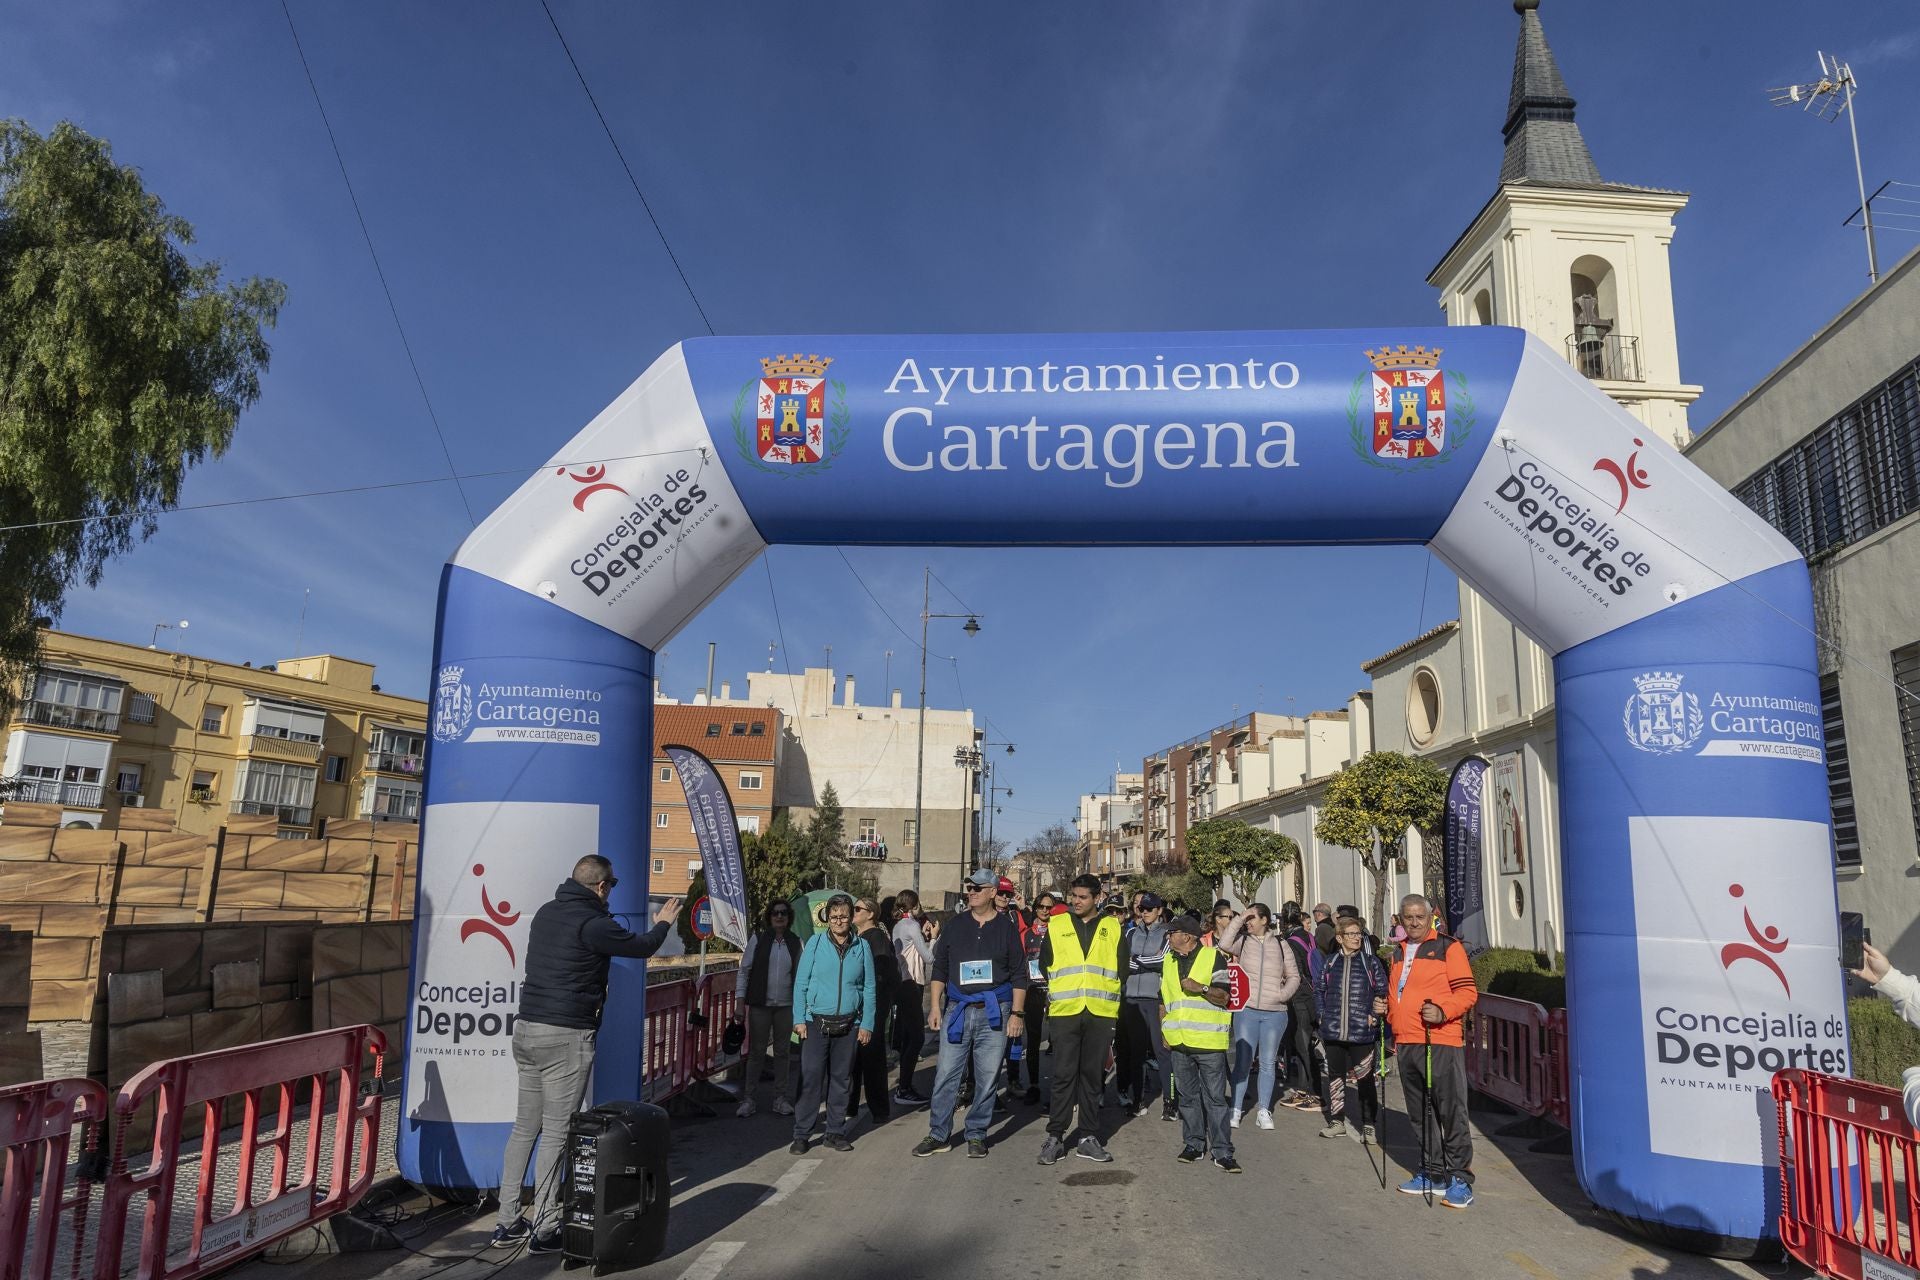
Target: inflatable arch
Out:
[1700,904]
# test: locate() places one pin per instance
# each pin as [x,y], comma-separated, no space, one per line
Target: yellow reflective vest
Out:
[1193,1022]
[1084,983]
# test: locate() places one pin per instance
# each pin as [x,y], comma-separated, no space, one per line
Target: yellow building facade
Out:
[104,726]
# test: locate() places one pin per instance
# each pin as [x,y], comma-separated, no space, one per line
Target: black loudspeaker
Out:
[617,1193]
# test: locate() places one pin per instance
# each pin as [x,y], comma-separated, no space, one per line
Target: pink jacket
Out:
[1272,976]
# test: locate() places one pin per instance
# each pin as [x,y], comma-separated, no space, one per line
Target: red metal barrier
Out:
[37,1123]
[1559,1070]
[713,997]
[1849,1178]
[1506,1053]
[259,1079]
[664,1058]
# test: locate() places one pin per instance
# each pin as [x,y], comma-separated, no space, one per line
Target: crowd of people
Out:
[1085,1004]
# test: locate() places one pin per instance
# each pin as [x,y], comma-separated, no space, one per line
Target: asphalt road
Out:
[745,1209]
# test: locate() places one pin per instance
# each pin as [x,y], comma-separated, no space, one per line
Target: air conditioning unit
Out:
[131,799]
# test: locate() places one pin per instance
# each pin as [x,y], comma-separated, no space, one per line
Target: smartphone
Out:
[1853,932]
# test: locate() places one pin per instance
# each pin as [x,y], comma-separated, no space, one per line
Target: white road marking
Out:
[716,1256]
[789,1182]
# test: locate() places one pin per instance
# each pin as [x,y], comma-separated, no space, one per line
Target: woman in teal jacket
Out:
[833,1002]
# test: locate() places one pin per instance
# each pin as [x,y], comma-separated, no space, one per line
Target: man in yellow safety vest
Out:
[1083,957]
[1194,993]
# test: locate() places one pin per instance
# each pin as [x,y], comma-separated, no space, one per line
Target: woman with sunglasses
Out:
[1349,984]
[764,990]
[1272,978]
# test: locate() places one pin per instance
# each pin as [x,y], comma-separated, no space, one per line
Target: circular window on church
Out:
[1423,707]
[1516,900]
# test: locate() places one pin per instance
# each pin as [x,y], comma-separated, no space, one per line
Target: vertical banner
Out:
[718,833]
[1463,853]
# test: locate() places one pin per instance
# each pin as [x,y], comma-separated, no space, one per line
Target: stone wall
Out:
[360,975]
[66,886]
[20,1058]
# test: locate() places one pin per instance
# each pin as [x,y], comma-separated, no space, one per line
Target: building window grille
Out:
[1906,679]
[1856,475]
[1846,830]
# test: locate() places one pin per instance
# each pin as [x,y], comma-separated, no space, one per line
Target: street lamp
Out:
[971,759]
[920,756]
[158,627]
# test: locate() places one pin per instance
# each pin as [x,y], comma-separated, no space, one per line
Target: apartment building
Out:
[1110,826]
[1179,782]
[744,744]
[104,726]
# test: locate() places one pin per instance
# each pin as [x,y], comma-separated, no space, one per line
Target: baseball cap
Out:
[1185,924]
[1151,900]
[1005,886]
[983,877]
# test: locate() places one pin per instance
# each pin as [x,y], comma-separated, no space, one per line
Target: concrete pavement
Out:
[745,1209]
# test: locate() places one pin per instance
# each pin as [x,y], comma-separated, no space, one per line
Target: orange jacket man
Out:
[1429,990]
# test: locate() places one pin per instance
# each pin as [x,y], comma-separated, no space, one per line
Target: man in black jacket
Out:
[569,947]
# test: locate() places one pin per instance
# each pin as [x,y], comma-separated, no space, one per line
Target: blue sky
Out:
[895,168]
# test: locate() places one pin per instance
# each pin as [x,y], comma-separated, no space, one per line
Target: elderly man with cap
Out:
[1196,1025]
[978,985]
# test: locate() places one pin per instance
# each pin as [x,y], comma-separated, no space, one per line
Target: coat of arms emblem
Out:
[1661,717]
[795,429]
[452,704]
[1408,410]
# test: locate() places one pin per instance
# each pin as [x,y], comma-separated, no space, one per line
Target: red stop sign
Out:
[1242,988]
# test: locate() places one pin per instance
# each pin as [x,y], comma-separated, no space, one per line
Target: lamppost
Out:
[972,760]
[920,756]
[992,806]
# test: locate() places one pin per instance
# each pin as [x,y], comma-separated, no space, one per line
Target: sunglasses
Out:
[781,915]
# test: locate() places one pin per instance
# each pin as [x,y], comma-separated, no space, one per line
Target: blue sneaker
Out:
[1459,1194]
[1419,1185]
[509,1236]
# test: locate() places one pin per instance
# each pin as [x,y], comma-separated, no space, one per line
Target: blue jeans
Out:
[1259,1030]
[986,1047]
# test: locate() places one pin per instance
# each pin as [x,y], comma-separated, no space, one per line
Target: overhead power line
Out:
[622,156]
[378,270]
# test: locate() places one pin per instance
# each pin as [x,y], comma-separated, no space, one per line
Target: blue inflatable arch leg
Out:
[1695,828]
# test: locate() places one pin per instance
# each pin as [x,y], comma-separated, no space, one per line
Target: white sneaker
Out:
[1233,1120]
[781,1107]
[746,1109]
[1263,1119]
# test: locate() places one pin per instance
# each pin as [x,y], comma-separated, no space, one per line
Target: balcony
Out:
[292,815]
[868,850]
[1605,357]
[62,715]
[390,813]
[275,747]
[82,795]
[409,763]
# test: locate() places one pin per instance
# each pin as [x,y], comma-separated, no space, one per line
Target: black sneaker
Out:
[1190,1155]
[1052,1149]
[976,1149]
[546,1242]
[930,1146]
[1228,1163]
[508,1237]
[836,1142]
[1169,1110]
[799,1147]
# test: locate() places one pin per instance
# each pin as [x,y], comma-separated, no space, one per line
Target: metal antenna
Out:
[1830,97]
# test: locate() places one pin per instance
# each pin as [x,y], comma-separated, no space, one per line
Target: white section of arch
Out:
[1575,531]
[633,523]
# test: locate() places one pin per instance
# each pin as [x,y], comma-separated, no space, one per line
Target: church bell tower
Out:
[1577,260]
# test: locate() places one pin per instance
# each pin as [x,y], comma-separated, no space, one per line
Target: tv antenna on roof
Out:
[1830,97]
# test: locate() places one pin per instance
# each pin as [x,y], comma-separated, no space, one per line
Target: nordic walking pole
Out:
[1426,1091]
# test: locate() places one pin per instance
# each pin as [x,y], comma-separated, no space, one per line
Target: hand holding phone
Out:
[1853,942]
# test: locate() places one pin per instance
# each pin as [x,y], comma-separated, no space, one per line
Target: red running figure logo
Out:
[498,917]
[1767,943]
[593,479]
[1629,477]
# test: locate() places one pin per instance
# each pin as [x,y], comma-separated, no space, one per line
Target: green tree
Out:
[1223,849]
[774,861]
[1176,888]
[122,364]
[827,833]
[1371,804]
